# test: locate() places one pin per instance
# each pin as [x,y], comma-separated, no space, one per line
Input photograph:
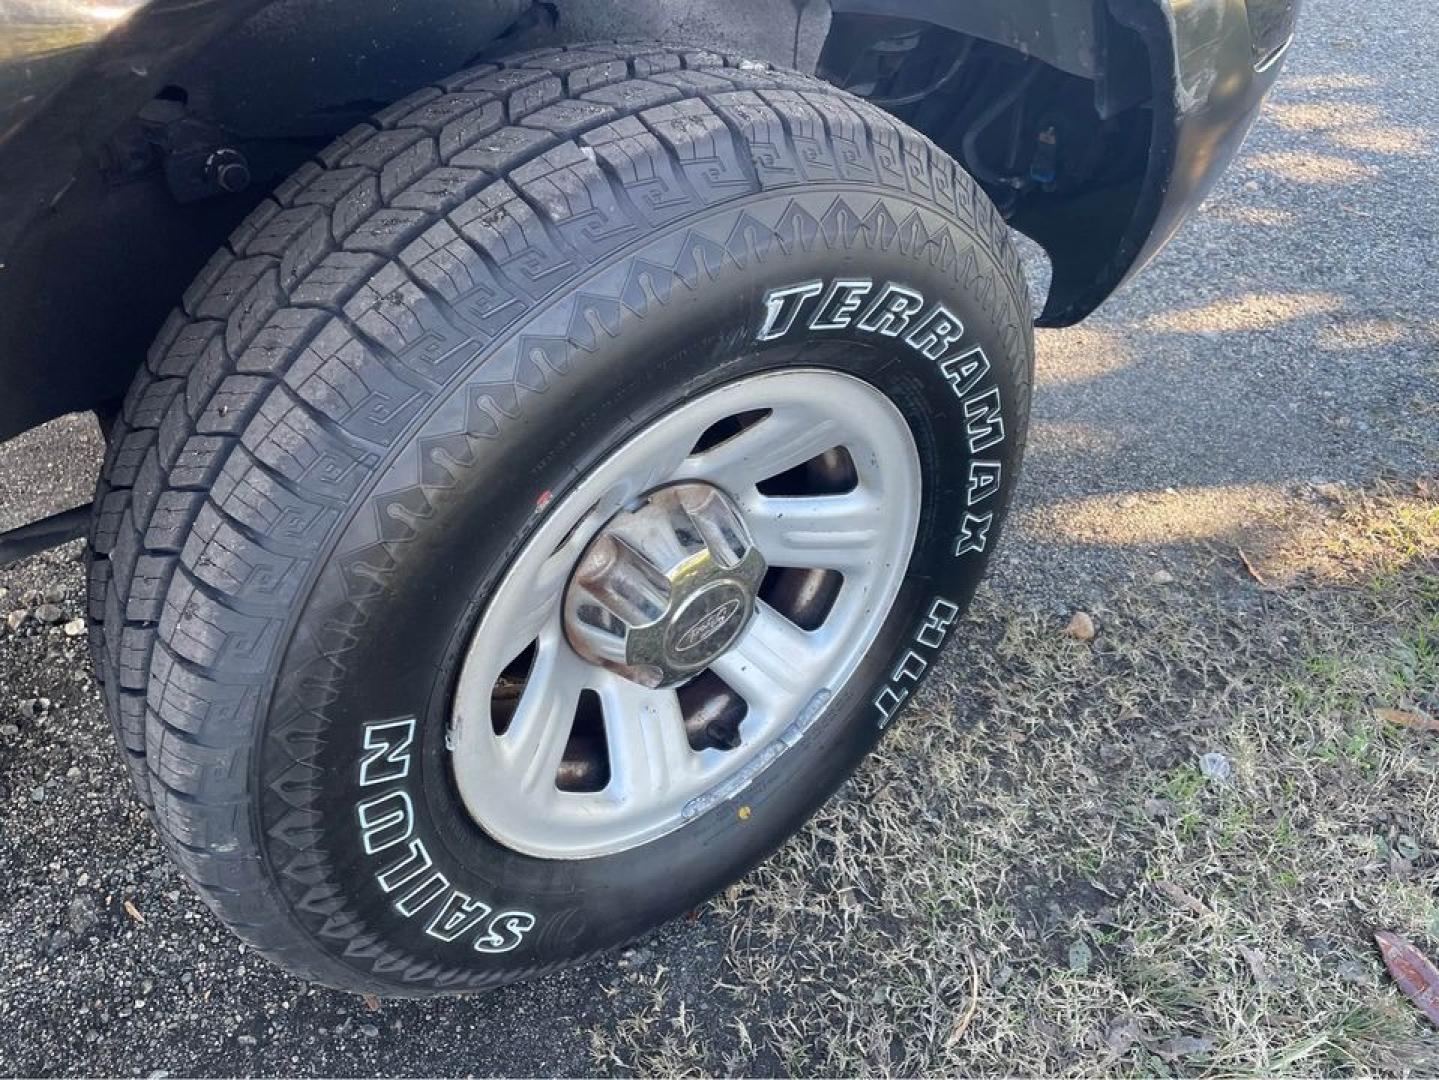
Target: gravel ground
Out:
[1286,342]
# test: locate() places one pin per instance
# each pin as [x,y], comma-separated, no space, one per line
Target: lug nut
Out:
[228,170]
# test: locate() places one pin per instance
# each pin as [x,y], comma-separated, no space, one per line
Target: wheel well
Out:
[1057,129]
[137,170]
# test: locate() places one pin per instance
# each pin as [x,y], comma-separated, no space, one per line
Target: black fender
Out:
[93,251]
[1200,67]
[92,258]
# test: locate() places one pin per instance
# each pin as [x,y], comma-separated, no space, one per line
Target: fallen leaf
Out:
[1412,971]
[1183,1046]
[132,911]
[1180,898]
[1356,972]
[1408,718]
[1215,766]
[1258,965]
[1081,626]
[1122,1035]
[1160,809]
[1253,570]
[962,1024]
[371,1002]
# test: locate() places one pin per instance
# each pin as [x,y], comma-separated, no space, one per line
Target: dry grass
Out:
[1041,818]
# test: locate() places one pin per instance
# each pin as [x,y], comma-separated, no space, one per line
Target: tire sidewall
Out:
[375,648]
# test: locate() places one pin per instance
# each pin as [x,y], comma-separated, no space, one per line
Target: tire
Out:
[402,365]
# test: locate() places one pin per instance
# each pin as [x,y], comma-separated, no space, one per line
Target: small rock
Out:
[75,627]
[1000,979]
[49,614]
[33,707]
[16,619]
[246,1040]
[369,1031]
[1080,957]
[1081,626]
[1129,502]
[1162,577]
[1251,186]
[58,943]
[55,594]
[1215,766]
[37,794]
[72,773]
[81,914]
[9,731]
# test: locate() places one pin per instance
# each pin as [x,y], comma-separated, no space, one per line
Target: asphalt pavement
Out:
[1288,337]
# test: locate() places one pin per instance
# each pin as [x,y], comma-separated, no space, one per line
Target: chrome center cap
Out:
[665,587]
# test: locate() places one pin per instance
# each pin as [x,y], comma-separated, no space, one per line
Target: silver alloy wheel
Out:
[518,720]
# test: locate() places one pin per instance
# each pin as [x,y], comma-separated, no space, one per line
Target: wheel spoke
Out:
[650,753]
[827,532]
[535,741]
[565,610]
[772,663]
[541,600]
[789,436]
[665,458]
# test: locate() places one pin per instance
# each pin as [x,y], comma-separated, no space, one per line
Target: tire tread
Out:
[245,433]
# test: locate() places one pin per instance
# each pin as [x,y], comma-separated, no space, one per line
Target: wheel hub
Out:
[559,746]
[666,586]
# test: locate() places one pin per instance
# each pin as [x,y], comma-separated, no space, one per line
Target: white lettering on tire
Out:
[927,641]
[781,306]
[936,334]
[840,303]
[418,887]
